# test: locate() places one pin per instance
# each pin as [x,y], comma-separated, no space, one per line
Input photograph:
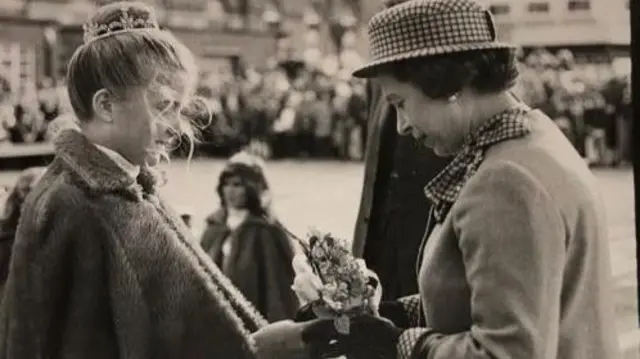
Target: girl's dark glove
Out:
[286,339]
[305,314]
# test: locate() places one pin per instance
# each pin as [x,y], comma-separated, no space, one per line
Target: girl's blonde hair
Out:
[124,49]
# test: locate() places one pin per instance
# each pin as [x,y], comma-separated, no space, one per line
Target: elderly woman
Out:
[102,266]
[517,265]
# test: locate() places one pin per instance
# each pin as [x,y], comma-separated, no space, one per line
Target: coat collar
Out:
[97,170]
[132,170]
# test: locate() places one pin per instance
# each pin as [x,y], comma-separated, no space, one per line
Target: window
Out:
[579,5]
[538,7]
[499,9]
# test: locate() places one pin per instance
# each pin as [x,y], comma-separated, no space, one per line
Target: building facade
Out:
[37,37]
[598,29]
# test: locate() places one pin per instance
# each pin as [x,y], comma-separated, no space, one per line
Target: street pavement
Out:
[326,195]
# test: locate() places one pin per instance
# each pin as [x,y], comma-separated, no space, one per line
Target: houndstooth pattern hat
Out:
[420,28]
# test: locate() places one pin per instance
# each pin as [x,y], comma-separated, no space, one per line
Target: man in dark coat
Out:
[391,221]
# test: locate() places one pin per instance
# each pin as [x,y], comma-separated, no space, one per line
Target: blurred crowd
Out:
[25,114]
[286,110]
[290,109]
[590,102]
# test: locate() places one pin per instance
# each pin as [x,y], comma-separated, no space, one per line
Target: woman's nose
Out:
[402,125]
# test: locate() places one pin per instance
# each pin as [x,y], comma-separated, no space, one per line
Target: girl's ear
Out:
[102,105]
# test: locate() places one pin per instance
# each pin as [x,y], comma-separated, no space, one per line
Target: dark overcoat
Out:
[259,263]
[391,219]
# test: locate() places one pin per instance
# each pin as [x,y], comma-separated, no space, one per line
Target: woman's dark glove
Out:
[371,337]
[395,312]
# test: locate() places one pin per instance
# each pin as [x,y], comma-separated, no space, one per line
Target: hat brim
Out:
[370,70]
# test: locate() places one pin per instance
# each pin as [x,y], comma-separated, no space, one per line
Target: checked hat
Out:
[420,28]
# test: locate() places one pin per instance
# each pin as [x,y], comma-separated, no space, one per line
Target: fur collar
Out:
[97,171]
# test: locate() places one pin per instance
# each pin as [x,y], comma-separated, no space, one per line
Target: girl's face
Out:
[234,193]
[147,123]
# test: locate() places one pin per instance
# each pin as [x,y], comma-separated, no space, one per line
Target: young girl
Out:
[102,267]
[249,246]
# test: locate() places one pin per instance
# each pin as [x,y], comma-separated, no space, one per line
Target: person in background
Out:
[305,124]
[575,113]
[323,116]
[343,124]
[283,128]
[7,113]
[391,219]
[598,125]
[10,215]
[49,103]
[29,123]
[248,244]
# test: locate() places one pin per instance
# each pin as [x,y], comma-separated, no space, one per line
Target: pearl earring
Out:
[453,98]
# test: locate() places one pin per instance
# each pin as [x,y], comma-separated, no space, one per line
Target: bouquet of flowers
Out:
[347,290]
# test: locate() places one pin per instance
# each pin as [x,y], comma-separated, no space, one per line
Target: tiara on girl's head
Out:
[125,23]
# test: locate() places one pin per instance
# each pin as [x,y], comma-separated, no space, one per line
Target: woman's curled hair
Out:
[442,76]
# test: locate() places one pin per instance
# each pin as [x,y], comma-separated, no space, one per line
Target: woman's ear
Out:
[102,105]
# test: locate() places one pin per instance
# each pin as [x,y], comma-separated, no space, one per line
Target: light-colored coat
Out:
[520,266]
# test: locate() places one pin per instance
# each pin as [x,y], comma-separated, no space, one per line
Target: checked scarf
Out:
[444,189]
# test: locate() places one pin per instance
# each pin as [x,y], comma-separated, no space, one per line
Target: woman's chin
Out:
[441,151]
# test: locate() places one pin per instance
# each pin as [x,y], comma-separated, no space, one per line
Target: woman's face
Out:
[234,193]
[439,124]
